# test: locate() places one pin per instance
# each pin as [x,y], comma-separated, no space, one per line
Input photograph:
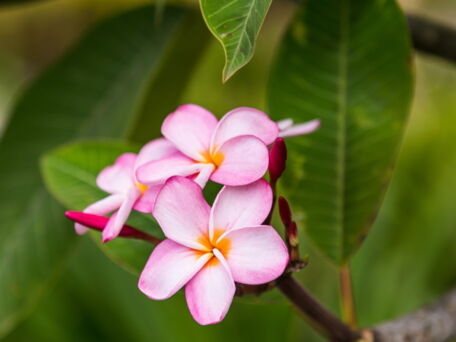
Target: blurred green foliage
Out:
[407,259]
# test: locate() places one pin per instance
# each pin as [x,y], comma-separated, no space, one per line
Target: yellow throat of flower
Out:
[141,187]
[215,158]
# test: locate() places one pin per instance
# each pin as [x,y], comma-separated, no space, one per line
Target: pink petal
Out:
[204,175]
[170,267]
[210,293]
[300,129]
[119,218]
[241,206]
[154,150]
[256,255]
[182,212]
[119,177]
[284,124]
[158,171]
[245,121]
[190,128]
[101,208]
[245,160]
[146,201]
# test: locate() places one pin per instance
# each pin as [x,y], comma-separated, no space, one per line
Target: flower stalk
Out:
[346,297]
[321,318]
[277,165]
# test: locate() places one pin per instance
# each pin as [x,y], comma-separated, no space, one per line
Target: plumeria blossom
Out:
[126,193]
[232,151]
[208,249]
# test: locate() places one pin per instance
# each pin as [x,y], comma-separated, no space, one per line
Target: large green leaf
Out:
[70,175]
[348,63]
[236,24]
[98,89]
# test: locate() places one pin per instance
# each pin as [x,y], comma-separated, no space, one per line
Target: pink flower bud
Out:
[277,159]
[285,212]
[97,222]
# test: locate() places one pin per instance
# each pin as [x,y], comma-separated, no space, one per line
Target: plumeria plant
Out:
[132,138]
[206,250]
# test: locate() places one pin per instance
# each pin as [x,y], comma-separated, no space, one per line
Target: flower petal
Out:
[300,129]
[284,124]
[256,255]
[245,160]
[119,177]
[245,121]
[158,171]
[190,128]
[170,267]
[101,208]
[241,206]
[182,212]
[119,218]
[154,150]
[146,201]
[204,175]
[210,292]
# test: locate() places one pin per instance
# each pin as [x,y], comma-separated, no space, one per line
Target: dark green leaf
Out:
[236,24]
[346,62]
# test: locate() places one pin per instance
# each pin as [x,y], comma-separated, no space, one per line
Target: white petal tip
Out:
[107,238]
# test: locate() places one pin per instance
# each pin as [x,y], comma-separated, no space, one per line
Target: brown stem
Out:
[320,317]
[346,297]
[433,38]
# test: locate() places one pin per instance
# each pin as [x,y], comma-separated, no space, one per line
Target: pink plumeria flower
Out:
[127,193]
[231,151]
[208,249]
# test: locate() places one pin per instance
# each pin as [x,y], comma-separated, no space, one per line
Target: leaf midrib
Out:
[241,38]
[342,122]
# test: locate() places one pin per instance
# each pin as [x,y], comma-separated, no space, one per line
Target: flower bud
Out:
[285,212]
[97,222]
[277,159]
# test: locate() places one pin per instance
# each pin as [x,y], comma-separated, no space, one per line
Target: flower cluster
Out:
[206,250]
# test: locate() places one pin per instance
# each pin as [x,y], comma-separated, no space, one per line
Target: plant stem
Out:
[346,297]
[433,38]
[321,318]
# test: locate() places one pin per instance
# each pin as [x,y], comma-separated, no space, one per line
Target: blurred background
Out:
[408,259]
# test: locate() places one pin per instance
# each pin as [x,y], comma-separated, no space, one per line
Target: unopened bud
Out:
[97,222]
[292,233]
[293,240]
[277,159]
[285,212]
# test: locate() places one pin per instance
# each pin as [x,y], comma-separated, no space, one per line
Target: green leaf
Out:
[236,24]
[96,90]
[70,174]
[347,63]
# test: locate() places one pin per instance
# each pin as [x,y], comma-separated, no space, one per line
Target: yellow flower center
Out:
[223,245]
[141,187]
[215,158]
